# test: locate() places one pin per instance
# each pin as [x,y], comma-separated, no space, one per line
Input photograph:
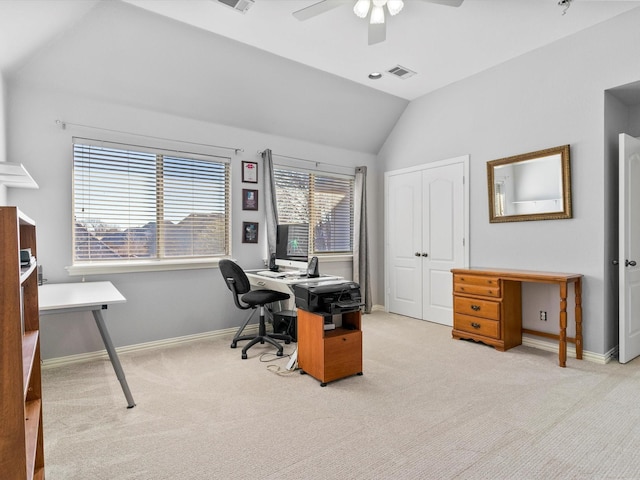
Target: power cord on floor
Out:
[277,369]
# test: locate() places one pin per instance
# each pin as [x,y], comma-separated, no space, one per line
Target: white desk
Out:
[284,284]
[90,296]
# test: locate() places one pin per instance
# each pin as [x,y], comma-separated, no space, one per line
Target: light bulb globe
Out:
[395,6]
[361,8]
[377,15]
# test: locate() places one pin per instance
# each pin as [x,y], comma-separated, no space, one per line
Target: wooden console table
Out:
[488,308]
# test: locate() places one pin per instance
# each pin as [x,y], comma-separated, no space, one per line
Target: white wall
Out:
[550,97]
[3,135]
[160,305]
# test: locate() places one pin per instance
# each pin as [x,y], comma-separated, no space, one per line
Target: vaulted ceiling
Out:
[261,69]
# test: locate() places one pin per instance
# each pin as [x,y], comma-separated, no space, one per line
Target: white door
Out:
[426,225]
[629,249]
[404,243]
[442,239]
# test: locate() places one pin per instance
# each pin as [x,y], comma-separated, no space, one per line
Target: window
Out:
[323,201]
[135,203]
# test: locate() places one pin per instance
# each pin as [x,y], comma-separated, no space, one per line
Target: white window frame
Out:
[333,255]
[155,263]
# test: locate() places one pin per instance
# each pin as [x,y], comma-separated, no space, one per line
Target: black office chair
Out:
[245,299]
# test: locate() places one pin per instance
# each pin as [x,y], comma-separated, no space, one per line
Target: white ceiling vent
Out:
[401,72]
[240,5]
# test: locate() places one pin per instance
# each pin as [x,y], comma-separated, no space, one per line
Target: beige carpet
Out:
[427,407]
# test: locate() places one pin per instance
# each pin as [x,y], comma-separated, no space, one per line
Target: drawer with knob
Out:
[477,307]
[476,285]
[479,326]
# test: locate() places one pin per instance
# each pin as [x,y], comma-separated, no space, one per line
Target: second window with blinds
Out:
[322,200]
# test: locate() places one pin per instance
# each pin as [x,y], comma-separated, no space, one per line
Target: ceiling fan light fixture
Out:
[395,6]
[361,8]
[377,15]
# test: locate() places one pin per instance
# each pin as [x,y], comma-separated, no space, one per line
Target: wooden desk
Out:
[487,307]
[90,296]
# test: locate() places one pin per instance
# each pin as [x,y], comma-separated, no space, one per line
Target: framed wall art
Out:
[249,199]
[249,232]
[249,172]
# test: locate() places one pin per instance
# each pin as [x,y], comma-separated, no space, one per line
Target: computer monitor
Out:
[292,245]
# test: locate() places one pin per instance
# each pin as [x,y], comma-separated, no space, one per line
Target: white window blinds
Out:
[132,203]
[323,201]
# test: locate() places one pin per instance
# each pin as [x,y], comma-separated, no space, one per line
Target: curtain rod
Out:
[63,125]
[305,160]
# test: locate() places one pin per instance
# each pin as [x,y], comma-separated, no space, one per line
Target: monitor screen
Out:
[292,245]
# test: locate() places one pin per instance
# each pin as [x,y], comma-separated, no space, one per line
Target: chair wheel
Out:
[279,354]
[287,342]
[233,345]
[244,356]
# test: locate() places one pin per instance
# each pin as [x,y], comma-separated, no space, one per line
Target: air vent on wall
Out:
[401,72]
[240,5]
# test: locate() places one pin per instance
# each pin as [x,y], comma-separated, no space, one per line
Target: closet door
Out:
[442,239]
[404,243]
[426,223]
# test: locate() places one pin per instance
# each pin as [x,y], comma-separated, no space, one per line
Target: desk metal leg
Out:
[113,356]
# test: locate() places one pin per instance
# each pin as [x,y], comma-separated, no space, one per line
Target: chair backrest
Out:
[234,277]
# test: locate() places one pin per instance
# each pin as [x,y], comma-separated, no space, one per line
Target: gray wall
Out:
[549,97]
[124,69]
[3,135]
[159,305]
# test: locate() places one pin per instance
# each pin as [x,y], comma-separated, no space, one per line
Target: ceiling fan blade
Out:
[450,3]
[377,33]
[316,9]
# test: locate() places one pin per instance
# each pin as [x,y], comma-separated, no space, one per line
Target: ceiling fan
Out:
[374,9]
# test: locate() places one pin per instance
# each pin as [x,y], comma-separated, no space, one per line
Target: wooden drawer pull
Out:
[475,308]
[475,325]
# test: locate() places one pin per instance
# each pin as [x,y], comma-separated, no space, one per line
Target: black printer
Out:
[328,297]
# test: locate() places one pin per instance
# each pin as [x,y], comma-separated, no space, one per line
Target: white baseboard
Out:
[571,350]
[102,354]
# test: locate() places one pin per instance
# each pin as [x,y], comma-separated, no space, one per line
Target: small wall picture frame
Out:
[249,232]
[249,199]
[249,172]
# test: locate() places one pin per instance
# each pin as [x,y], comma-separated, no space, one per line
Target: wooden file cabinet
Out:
[487,309]
[332,354]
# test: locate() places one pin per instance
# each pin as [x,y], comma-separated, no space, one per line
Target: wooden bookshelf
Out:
[21,437]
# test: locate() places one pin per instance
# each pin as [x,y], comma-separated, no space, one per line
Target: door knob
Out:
[614,262]
[628,263]
[417,254]
[425,254]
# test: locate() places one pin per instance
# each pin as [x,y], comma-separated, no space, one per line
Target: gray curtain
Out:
[360,238]
[271,208]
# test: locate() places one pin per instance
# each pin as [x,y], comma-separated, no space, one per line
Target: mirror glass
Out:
[532,186]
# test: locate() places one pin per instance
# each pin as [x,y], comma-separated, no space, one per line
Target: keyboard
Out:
[270,274]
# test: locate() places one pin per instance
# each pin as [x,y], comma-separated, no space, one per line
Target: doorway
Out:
[622,114]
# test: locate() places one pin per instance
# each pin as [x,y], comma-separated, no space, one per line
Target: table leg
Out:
[578,294]
[113,356]
[562,349]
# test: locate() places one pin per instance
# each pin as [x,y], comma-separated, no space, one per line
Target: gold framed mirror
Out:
[531,186]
